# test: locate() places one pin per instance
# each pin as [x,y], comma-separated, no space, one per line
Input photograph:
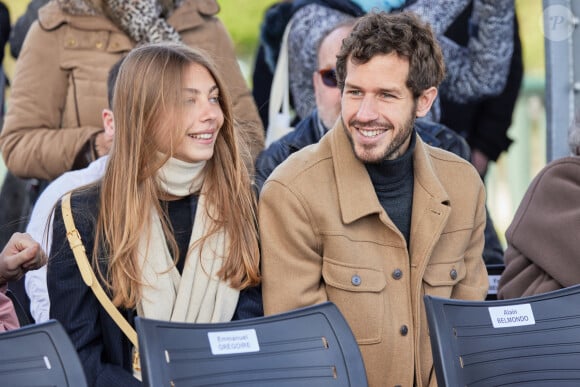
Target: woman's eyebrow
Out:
[193,90]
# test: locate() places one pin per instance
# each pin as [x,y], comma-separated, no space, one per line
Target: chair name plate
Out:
[511,316]
[232,342]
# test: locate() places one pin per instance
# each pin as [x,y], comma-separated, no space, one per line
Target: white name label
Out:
[511,316]
[493,282]
[229,342]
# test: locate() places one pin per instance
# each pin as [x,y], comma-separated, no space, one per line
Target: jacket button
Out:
[99,45]
[397,274]
[355,280]
[453,274]
[404,330]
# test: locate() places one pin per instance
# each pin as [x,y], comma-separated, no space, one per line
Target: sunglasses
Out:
[328,77]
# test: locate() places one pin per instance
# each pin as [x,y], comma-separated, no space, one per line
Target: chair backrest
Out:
[529,341]
[39,355]
[311,346]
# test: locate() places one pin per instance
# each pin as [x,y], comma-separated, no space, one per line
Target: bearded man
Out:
[372,218]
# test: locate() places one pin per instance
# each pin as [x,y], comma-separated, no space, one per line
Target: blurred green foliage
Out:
[529,14]
[243,18]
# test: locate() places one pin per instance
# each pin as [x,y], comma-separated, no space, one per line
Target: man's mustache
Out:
[371,124]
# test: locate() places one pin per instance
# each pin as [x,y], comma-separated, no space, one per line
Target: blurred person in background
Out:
[40,225]
[484,122]
[19,255]
[476,70]
[68,52]
[542,239]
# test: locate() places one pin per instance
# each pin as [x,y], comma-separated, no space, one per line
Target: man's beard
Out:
[392,151]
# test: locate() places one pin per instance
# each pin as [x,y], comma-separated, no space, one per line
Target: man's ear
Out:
[315,81]
[108,123]
[425,101]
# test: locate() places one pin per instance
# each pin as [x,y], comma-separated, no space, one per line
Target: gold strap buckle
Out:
[136,360]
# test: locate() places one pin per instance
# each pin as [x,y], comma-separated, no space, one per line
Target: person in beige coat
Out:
[371,218]
[53,123]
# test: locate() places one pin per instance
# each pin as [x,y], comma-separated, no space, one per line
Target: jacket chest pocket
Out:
[87,56]
[100,40]
[440,278]
[359,294]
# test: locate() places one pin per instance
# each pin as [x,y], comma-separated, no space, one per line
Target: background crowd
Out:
[104,65]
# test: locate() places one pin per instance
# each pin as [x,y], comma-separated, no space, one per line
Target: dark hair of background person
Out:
[4,29]
[22,26]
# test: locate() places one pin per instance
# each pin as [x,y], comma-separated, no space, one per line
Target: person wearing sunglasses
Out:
[327,95]
[328,77]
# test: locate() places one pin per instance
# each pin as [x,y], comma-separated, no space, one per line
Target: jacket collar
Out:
[431,205]
[308,131]
[356,194]
[52,16]
[191,13]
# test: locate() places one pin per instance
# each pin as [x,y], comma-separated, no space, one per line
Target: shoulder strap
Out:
[280,89]
[76,245]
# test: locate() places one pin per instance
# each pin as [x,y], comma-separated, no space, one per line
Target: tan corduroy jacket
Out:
[59,87]
[325,236]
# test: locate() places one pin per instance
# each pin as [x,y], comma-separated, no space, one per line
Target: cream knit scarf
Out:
[197,295]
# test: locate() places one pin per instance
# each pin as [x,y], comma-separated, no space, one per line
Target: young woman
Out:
[172,224]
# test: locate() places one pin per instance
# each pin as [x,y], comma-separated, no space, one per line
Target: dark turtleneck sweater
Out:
[393,184]
[181,213]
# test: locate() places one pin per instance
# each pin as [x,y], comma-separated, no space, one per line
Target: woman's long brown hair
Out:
[148,98]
